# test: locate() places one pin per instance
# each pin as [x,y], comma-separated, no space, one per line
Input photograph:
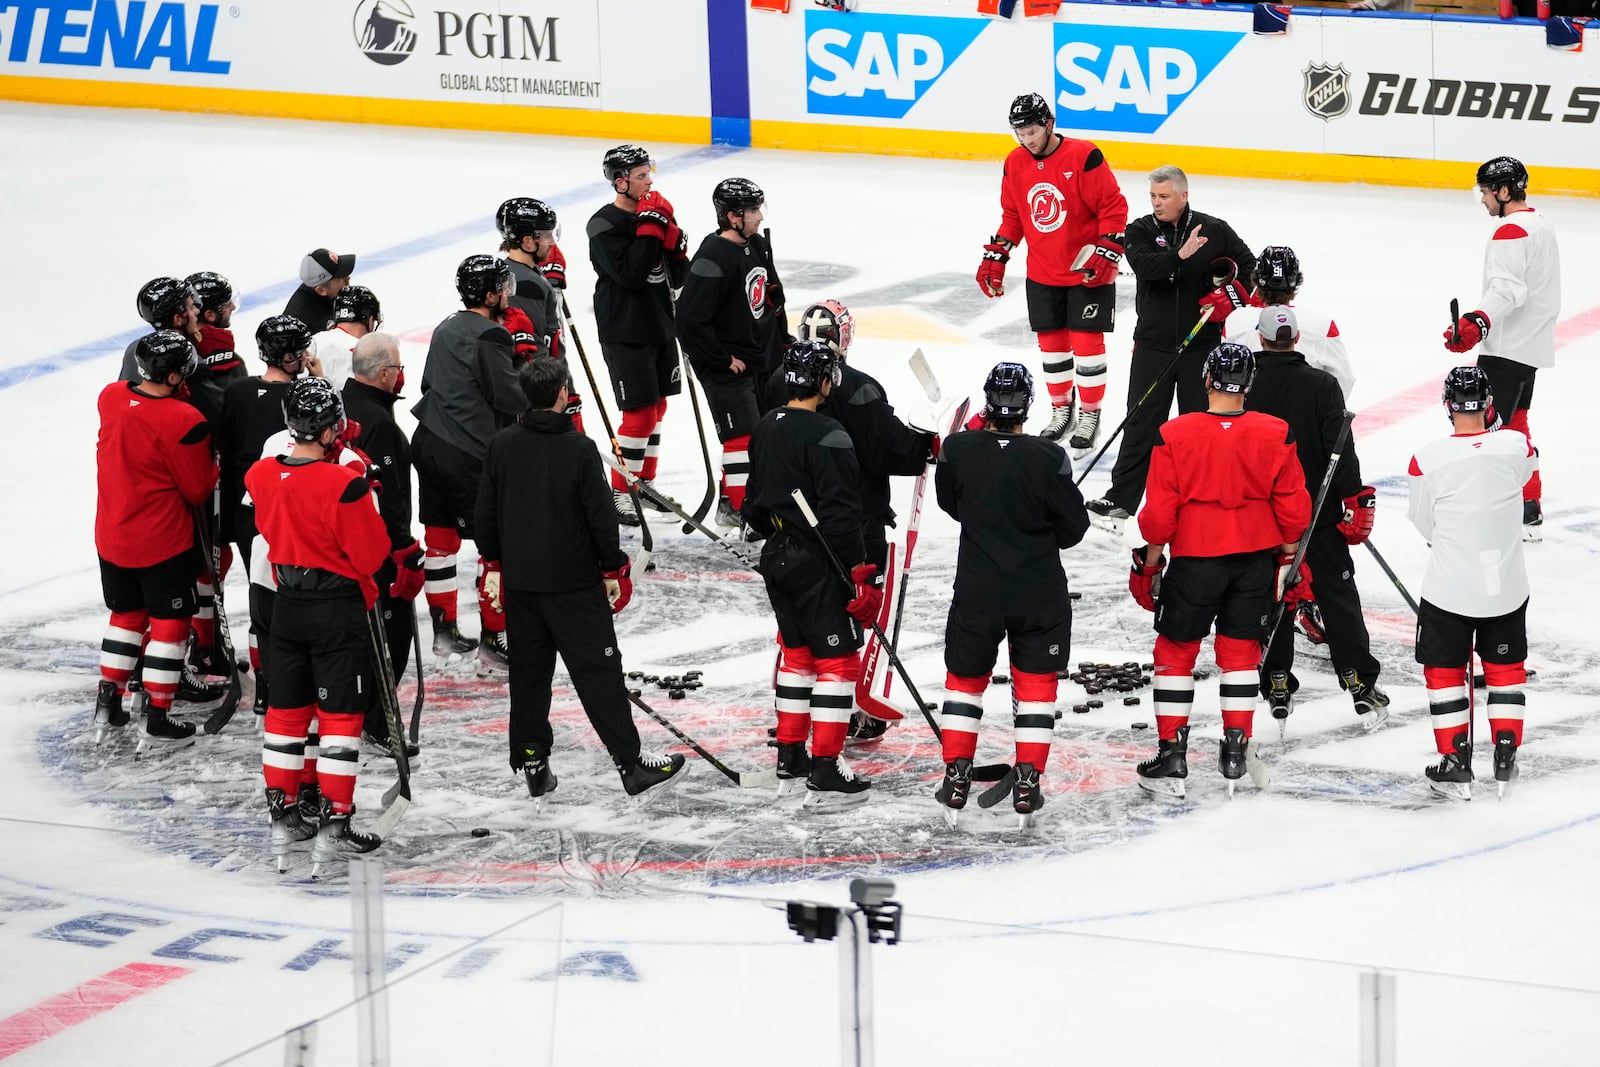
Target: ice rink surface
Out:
[141,922]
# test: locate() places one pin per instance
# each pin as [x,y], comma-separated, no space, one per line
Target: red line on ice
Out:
[95,997]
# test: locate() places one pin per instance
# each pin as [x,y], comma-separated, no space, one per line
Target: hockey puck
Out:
[1130,700]
[1086,666]
[1080,709]
[636,692]
[243,666]
[677,694]
[1141,726]
[1002,679]
[1074,595]
[636,675]
[1096,704]
[693,674]
[480,831]
[929,705]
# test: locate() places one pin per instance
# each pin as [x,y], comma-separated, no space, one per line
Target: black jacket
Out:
[798,449]
[252,411]
[1168,295]
[311,308]
[386,446]
[544,507]
[633,280]
[726,310]
[1312,403]
[1018,508]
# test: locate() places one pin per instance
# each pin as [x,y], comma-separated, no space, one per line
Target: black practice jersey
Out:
[1312,403]
[634,280]
[798,449]
[725,310]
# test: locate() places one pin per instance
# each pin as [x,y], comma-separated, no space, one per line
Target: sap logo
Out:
[1131,79]
[132,34]
[879,65]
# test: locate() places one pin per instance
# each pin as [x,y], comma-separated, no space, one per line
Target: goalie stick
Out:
[212,551]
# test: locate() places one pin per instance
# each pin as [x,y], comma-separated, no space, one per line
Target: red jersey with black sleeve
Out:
[1058,204]
[319,515]
[1222,484]
[153,464]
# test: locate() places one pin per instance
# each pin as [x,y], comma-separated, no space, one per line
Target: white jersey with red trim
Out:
[335,349]
[1319,342]
[1466,499]
[1522,290]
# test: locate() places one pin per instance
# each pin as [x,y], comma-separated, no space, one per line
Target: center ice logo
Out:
[879,65]
[1131,79]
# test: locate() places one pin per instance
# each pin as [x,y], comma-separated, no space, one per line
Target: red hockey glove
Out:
[869,593]
[619,586]
[655,215]
[1144,580]
[347,437]
[1292,585]
[1099,261]
[978,421]
[675,244]
[554,268]
[992,271]
[490,590]
[1467,332]
[935,442]
[523,340]
[407,572]
[1360,511]
[1229,295]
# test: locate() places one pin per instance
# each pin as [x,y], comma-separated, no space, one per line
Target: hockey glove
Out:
[408,575]
[1292,584]
[1144,580]
[992,271]
[1100,261]
[491,585]
[675,244]
[1360,511]
[554,268]
[978,421]
[1225,299]
[1467,332]
[523,339]
[1224,269]
[655,215]
[869,593]
[619,586]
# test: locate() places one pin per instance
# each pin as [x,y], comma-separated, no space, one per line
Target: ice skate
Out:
[1505,762]
[287,826]
[161,733]
[665,505]
[1164,775]
[384,747]
[1532,522]
[448,641]
[647,772]
[209,662]
[1106,515]
[540,778]
[794,767]
[1280,699]
[336,839]
[833,786]
[1308,620]
[1371,703]
[627,514]
[261,703]
[197,693]
[108,712]
[494,655]
[1061,421]
[865,730]
[309,801]
[952,792]
[1088,432]
[1026,797]
[1230,757]
[1452,776]
[1255,766]
[727,516]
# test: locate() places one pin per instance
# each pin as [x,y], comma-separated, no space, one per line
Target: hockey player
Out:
[819,619]
[1516,319]
[356,313]
[469,391]
[724,319]
[1310,401]
[1018,509]
[326,541]
[154,466]
[1466,500]
[1227,495]
[322,275]
[166,304]
[545,524]
[527,228]
[1060,196]
[1278,280]
[1184,262]
[639,256]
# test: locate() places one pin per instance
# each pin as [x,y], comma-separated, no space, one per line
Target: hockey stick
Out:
[1455,321]
[212,550]
[416,646]
[709,498]
[646,543]
[1393,577]
[742,779]
[1205,316]
[737,549]
[398,797]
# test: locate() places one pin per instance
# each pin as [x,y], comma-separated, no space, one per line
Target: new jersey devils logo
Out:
[755,291]
[1046,208]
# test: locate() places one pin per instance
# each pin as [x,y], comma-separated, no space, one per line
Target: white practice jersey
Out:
[1319,342]
[1466,498]
[1522,290]
[334,347]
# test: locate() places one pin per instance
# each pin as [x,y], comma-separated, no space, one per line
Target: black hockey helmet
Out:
[310,406]
[1278,269]
[1230,368]
[1466,390]
[282,338]
[160,353]
[357,303]
[806,364]
[480,275]
[160,299]
[523,216]
[622,159]
[1008,391]
[1029,109]
[734,196]
[828,321]
[1504,171]
[211,290]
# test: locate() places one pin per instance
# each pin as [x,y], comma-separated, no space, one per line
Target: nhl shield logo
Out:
[1327,90]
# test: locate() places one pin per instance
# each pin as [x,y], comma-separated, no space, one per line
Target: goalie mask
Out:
[828,321]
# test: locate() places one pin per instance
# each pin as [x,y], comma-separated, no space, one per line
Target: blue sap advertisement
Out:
[879,66]
[1131,79]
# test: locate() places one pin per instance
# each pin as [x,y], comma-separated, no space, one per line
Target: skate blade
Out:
[1255,766]
[1107,523]
[161,746]
[1164,787]
[283,864]
[1451,790]
[496,672]
[1025,819]
[1374,719]
[952,816]
[1232,782]
[819,803]
[1532,535]
[788,787]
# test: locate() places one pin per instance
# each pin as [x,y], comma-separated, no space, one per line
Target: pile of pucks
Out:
[676,685]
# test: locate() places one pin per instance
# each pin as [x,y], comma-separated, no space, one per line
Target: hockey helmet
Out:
[1008,391]
[806,364]
[480,275]
[161,353]
[357,303]
[1466,390]
[160,299]
[523,216]
[1278,269]
[282,338]
[1029,109]
[212,291]
[1230,368]
[1504,171]
[735,196]
[311,406]
[621,160]
[828,321]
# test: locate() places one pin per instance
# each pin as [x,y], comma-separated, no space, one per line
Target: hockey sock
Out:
[1533,488]
[336,769]
[1058,368]
[1091,352]
[633,435]
[1241,684]
[1035,714]
[204,622]
[962,711]
[255,655]
[283,748]
[1506,699]
[1447,705]
[119,649]
[832,699]
[308,773]
[163,660]
[652,451]
[493,621]
[439,569]
[224,560]
[797,673]
[1174,684]
[735,469]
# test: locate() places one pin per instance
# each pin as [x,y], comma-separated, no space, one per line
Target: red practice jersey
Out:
[319,515]
[1221,484]
[153,465]
[1058,204]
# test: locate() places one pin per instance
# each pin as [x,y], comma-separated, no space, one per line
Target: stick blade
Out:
[767,779]
[392,814]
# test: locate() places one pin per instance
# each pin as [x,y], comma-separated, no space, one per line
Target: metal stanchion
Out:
[368,959]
